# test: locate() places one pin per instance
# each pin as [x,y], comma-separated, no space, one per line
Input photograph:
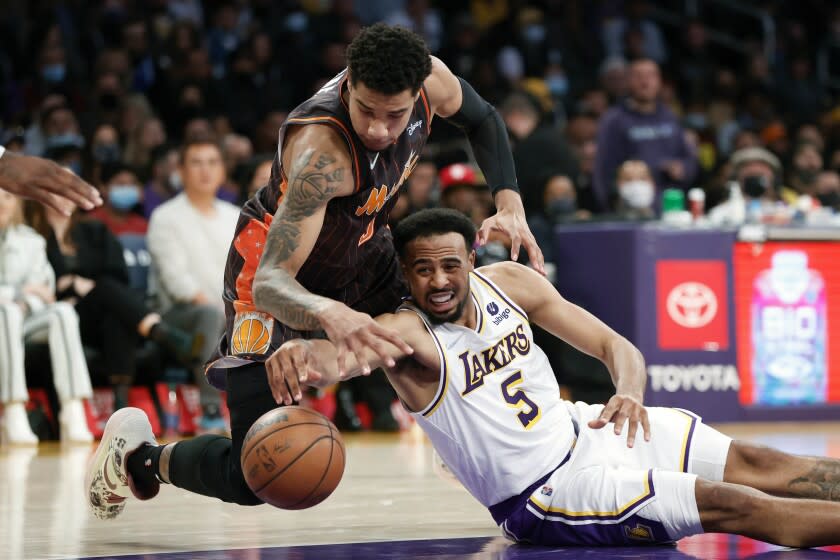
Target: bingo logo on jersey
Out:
[692,305]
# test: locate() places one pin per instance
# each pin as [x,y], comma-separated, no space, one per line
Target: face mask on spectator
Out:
[807,176]
[534,33]
[755,186]
[557,84]
[106,153]
[829,199]
[561,208]
[109,101]
[53,73]
[637,194]
[124,197]
[697,121]
[175,181]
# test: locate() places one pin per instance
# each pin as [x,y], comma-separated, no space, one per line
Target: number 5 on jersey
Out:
[516,398]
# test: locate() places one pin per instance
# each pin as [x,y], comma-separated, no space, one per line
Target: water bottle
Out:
[789,332]
[737,204]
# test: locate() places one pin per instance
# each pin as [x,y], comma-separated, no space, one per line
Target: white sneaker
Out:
[16,429]
[108,483]
[73,422]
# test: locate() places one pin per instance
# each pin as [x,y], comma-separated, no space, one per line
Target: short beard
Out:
[453,315]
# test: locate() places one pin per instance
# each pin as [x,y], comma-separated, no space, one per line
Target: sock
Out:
[144,465]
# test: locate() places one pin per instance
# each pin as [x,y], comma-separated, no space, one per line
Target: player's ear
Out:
[472,259]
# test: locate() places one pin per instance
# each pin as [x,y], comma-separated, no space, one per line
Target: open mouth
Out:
[441,302]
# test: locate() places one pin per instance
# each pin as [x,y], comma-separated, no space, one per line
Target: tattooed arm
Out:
[319,170]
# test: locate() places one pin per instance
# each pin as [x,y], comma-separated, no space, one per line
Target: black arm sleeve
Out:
[488,137]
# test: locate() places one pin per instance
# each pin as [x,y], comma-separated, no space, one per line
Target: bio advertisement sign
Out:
[787,297]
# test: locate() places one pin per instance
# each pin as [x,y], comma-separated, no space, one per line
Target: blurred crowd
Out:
[172,107]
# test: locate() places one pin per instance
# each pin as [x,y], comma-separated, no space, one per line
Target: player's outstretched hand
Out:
[621,409]
[510,220]
[289,367]
[43,180]
[352,332]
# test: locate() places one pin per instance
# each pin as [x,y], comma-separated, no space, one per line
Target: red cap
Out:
[457,174]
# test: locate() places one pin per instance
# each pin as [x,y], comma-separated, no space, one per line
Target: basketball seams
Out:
[290,463]
[247,450]
[323,474]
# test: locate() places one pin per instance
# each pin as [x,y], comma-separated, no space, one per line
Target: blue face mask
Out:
[53,73]
[124,197]
[557,84]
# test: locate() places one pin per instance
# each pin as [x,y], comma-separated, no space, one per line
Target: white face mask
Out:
[637,194]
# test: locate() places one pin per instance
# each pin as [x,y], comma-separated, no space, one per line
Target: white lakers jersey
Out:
[497,419]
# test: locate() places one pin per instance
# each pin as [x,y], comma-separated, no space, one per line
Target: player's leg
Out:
[210,464]
[741,510]
[783,474]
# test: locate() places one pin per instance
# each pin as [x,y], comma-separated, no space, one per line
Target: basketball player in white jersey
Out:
[547,469]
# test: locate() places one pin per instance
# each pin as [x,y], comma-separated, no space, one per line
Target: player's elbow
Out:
[262,290]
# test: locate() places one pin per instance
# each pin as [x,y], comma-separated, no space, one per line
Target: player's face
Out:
[377,118]
[437,269]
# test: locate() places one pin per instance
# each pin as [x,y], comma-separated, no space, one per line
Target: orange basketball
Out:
[293,457]
[251,337]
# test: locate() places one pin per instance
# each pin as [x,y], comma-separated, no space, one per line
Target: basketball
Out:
[293,457]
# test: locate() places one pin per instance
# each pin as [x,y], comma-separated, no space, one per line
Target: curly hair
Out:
[432,221]
[388,59]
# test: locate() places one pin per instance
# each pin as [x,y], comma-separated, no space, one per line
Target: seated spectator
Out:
[165,181]
[29,313]
[827,190]
[636,192]
[92,276]
[757,172]
[259,176]
[189,239]
[122,196]
[806,164]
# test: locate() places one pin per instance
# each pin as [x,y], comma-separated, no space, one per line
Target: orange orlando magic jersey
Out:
[353,259]
[497,420]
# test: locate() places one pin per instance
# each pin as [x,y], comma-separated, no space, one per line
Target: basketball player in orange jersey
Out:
[550,471]
[312,255]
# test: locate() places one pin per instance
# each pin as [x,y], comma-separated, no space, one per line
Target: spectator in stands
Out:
[259,176]
[758,173]
[189,237]
[806,164]
[165,180]
[827,189]
[104,149]
[538,148]
[642,128]
[123,197]
[635,20]
[636,192]
[29,313]
[91,275]
[142,140]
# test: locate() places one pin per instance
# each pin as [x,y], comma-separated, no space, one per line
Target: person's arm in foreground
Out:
[455,100]
[565,320]
[45,181]
[319,170]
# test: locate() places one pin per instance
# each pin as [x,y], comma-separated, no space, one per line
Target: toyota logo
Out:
[691,305]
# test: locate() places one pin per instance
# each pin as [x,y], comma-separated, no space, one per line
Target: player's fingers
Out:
[358,349]
[645,424]
[270,371]
[606,413]
[535,254]
[285,372]
[483,232]
[71,186]
[293,377]
[515,243]
[394,338]
[631,431]
[341,359]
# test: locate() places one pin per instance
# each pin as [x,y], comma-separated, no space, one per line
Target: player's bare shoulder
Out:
[525,286]
[317,163]
[443,89]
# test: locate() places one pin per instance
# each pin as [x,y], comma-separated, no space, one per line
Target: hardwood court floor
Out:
[391,504]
